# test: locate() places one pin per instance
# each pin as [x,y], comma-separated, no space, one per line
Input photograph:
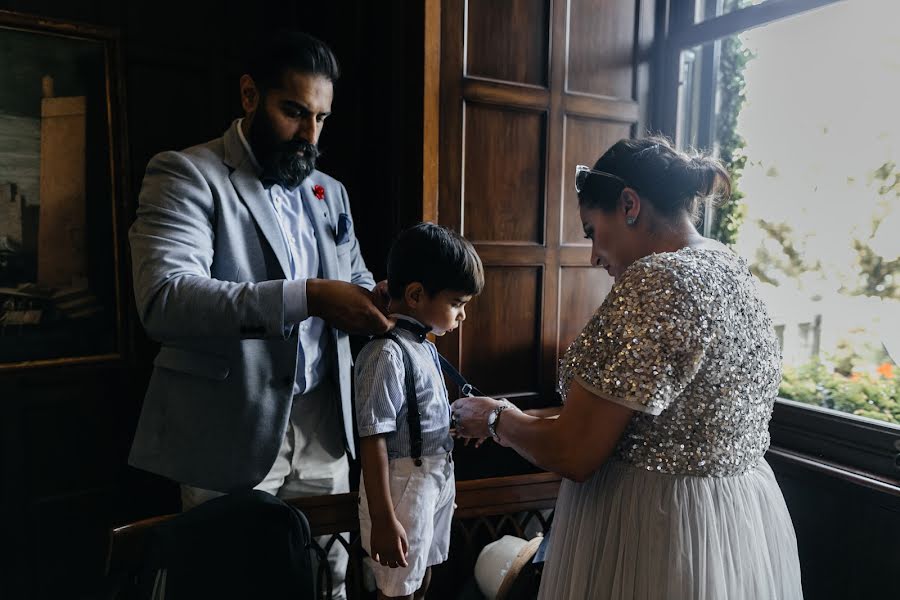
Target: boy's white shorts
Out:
[423,502]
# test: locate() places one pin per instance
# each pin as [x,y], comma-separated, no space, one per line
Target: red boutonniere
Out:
[319,192]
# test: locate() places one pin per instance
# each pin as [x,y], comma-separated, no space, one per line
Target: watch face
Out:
[492,417]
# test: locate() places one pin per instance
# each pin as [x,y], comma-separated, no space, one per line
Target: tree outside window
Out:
[805,120]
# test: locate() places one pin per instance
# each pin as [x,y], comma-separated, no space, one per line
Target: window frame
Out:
[859,445]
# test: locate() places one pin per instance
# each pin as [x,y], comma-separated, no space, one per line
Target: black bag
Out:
[243,545]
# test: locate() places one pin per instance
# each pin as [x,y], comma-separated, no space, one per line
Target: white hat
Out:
[500,562]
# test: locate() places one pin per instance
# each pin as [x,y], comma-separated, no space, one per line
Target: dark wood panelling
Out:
[431,108]
[528,179]
[508,40]
[505,94]
[626,111]
[601,47]
[183,113]
[91,407]
[65,432]
[582,290]
[846,533]
[504,174]
[586,140]
[500,336]
[66,527]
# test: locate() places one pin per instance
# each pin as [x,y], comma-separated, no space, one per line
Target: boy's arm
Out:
[389,544]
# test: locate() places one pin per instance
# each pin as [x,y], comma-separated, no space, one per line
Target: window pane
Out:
[804,113]
[707,9]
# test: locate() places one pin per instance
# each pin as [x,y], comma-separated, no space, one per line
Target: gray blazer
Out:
[209,266]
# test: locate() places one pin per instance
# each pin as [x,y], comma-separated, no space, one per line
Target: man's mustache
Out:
[310,151]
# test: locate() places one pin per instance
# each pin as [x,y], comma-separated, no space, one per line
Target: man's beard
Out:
[280,160]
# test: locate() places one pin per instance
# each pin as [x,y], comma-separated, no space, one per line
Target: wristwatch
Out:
[494,420]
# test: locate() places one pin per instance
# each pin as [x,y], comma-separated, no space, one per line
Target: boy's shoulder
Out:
[380,344]
[379,348]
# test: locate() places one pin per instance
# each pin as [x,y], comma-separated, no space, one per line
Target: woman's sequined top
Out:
[684,339]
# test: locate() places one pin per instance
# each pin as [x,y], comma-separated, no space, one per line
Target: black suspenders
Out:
[465,388]
[413,412]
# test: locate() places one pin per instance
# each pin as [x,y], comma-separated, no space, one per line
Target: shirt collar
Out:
[414,327]
[247,147]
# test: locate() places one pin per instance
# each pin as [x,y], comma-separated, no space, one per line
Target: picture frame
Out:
[63,181]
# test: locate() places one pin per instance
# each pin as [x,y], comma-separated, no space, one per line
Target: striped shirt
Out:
[380,395]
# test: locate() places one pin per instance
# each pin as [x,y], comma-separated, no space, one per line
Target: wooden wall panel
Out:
[500,351]
[601,47]
[65,431]
[504,175]
[582,290]
[586,139]
[508,40]
[508,153]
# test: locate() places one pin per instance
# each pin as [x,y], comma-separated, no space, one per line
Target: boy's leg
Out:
[442,513]
[426,581]
[412,494]
[383,597]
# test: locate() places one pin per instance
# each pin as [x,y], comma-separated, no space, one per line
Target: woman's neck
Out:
[673,236]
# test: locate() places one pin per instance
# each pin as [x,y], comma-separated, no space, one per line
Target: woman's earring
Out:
[630,221]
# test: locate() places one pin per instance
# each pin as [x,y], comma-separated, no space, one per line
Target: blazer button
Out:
[288,381]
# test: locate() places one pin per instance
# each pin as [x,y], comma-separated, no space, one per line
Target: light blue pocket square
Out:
[342,236]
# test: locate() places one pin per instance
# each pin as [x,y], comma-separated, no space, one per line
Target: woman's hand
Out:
[389,544]
[470,416]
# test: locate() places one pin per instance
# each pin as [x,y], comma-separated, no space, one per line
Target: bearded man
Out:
[248,273]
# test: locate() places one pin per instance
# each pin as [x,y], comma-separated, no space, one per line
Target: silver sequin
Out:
[685,340]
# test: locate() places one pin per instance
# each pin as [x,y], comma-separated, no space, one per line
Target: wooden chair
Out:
[486,510]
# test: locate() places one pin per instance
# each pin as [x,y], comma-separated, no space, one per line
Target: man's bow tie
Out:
[419,331]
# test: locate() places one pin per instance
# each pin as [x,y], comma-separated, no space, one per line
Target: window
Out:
[799,99]
[707,9]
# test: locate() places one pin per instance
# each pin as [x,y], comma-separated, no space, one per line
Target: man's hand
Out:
[381,297]
[346,306]
[389,544]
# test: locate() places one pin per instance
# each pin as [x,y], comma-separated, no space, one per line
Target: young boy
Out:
[403,412]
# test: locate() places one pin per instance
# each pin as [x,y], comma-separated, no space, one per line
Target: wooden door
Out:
[529,89]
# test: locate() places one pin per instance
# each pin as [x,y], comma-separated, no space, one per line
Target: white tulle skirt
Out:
[629,533]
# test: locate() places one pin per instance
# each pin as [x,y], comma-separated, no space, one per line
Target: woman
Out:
[667,396]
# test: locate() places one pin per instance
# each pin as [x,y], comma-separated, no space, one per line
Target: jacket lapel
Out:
[254,196]
[317,211]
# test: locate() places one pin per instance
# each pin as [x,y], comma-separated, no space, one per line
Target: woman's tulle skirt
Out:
[633,534]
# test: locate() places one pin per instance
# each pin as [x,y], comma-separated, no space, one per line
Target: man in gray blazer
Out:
[248,272]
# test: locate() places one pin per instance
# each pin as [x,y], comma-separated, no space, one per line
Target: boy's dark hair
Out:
[437,257]
[290,50]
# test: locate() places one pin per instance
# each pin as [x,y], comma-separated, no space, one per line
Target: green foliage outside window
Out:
[729,213]
[866,395]
[855,379]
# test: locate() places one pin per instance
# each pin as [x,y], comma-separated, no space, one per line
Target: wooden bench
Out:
[486,510]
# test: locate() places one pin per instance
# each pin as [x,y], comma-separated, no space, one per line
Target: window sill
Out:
[836,471]
[843,442]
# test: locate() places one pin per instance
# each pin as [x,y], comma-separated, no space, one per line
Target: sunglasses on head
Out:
[584,173]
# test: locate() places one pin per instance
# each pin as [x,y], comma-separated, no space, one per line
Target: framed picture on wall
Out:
[62,181]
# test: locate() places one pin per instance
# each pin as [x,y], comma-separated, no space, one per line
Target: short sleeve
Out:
[379,387]
[646,342]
